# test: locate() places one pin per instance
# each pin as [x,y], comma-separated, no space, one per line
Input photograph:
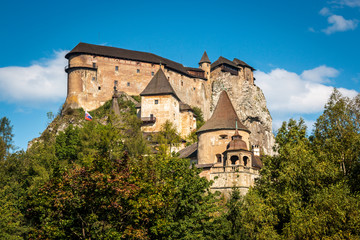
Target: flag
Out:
[88,116]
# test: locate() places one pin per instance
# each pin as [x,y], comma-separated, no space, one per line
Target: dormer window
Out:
[223,136]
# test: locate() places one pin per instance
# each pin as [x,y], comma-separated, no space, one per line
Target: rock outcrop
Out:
[250,105]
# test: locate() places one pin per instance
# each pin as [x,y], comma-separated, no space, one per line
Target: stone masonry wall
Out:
[91,87]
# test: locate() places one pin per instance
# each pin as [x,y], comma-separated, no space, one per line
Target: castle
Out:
[168,91]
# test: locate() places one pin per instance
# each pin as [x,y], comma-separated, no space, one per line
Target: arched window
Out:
[246,160]
[233,159]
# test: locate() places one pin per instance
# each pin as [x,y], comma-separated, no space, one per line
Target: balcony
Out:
[72,67]
[150,119]
[231,70]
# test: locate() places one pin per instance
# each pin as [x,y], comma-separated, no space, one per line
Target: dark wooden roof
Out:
[204,58]
[257,162]
[221,60]
[85,48]
[159,85]
[189,151]
[224,117]
[194,69]
[185,107]
[238,62]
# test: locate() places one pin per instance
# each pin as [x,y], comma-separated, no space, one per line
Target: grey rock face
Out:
[250,105]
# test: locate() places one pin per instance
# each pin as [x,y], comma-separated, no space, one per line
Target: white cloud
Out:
[339,24]
[349,3]
[40,82]
[325,11]
[293,94]
[320,74]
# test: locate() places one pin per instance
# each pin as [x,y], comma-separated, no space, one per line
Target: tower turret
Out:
[205,64]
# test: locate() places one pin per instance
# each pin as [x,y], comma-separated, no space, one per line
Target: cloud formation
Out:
[41,82]
[339,24]
[349,3]
[290,93]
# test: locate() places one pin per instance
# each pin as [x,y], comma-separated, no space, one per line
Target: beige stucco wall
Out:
[206,67]
[166,109]
[210,144]
[187,123]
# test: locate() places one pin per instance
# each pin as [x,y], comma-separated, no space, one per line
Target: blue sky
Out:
[301,49]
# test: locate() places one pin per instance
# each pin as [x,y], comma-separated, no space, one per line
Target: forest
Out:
[103,179]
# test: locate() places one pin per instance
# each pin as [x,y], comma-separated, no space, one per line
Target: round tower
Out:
[205,65]
[214,136]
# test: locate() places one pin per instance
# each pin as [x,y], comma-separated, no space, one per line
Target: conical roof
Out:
[236,143]
[159,85]
[204,58]
[224,117]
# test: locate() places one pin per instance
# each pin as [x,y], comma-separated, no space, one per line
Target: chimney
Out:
[256,150]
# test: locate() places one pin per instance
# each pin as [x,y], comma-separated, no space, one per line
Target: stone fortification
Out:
[94,71]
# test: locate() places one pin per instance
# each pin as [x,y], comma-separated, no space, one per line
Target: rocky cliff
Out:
[250,105]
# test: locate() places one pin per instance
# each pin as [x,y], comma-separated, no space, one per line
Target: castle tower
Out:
[205,64]
[215,134]
[227,162]
[237,152]
[160,103]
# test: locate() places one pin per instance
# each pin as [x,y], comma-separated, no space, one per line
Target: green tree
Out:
[303,194]
[337,132]
[6,136]
[167,138]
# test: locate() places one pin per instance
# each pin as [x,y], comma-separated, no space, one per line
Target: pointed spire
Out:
[204,58]
[223,116]
[115,104]
[159,85]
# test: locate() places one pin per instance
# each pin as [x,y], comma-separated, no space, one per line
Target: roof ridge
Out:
[223,117]
[159,85]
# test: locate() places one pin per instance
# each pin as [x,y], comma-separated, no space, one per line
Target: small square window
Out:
[115,82]
[99,88]
[93,78]
[128,84]
[138,70]
[156,101]
[194,89]
[94,65]
[152,73]
[116,68]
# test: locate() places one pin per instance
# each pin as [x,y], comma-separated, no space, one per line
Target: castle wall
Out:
[212,143]
[187,123]
[227,177]
[91,79]
[166,109]
[194,91]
